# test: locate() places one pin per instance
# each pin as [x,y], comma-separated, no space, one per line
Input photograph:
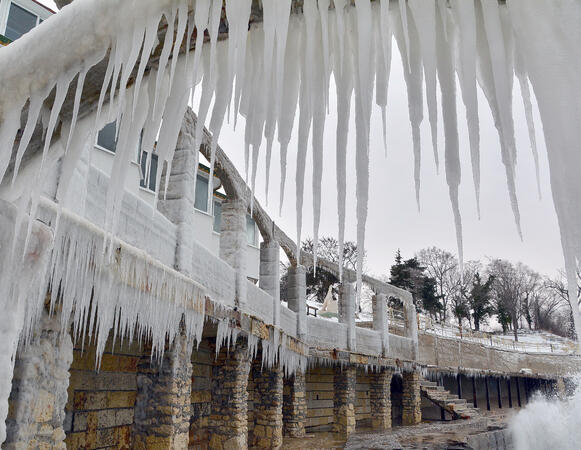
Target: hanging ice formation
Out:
[282,63]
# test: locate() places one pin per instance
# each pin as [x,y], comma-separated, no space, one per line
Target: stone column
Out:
[178,204]
[379,303]
[267,406]
[380,399]
[297,297]
[228,421]
[411,323]
[163,403]
[39,389]
[344,381]
[269,280]
[233,243]
[347,313]
[411,399]
[294,409]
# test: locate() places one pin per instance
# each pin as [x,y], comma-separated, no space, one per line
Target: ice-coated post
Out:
[297,297]
[269,280]
[380,320]
[411,322]
[347,312]
[233,243]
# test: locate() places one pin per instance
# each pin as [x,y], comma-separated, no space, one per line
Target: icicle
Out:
[452,154]
[413,78]
[424,15]
[466,41]
[406,35]
[323,6]
[383,52]
[344,86]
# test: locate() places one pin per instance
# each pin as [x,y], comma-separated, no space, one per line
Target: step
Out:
[426,383]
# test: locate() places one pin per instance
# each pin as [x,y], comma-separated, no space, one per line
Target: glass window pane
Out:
[106,138]
[201,201]
[250,231]
[19,22]
[217,216]
[152,171]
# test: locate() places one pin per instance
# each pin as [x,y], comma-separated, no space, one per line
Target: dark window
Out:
[106,138]
[217,216]
[20,21]
[152,171]
[201,201]
[251,231]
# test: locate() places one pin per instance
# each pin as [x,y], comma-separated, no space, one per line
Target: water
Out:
[549,422]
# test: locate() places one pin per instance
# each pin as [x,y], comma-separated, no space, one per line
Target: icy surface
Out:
[266,71]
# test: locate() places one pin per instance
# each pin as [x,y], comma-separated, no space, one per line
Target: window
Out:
[152,171]
[19,21]
[251,231]
[106,138]
[201,201]
[217,216]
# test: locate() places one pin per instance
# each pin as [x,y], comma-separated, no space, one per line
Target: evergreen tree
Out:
[480,299]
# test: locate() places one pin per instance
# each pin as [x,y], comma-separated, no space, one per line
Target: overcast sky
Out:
[393,221]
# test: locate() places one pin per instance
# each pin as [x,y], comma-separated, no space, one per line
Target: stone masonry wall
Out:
[319,391]
[163,404]
[39,390]
[100,407]
[267,432]
[380,399]
[344,400]
[228,421]
[294,405]
[411,400]
[202,361]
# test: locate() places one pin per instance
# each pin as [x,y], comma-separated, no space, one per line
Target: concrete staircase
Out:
[457,407]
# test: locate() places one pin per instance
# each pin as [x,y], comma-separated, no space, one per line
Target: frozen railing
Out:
[450,331]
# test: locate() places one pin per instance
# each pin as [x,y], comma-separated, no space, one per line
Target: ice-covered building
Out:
[132,316]
[20,16]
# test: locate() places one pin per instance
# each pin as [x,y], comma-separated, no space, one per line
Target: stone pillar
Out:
[294,409]
[379,303]
[269,280]
[39,389]
[178,204]
[347,313]
[233,243]
[411,323]
[228,421]
[344,381]
[411,399]
[380,399]
[297,297]
[163,403]
[267,406]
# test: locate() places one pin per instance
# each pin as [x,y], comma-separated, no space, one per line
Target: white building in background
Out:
[20,16]
[207,219]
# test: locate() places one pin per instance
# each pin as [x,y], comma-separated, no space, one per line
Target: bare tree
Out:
[459,284]
[442,266]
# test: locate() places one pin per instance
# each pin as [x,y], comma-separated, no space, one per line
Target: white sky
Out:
[393,221]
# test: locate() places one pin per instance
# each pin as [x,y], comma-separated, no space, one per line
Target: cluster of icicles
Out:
[273,70]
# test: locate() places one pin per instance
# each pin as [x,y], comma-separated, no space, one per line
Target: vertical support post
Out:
[229,418]
[344,381]
[411,323]
[233,244]
[294,410]
[487,394]
[267,406]
[178,202]
[379,302]
[411,399]
[509,392]
[518,392]
[347,313]
[297,297]
[39,389]
[499,393]
[163,403]
[474,398]
[380,399]
[459,385]
[269,280]
[526,382]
